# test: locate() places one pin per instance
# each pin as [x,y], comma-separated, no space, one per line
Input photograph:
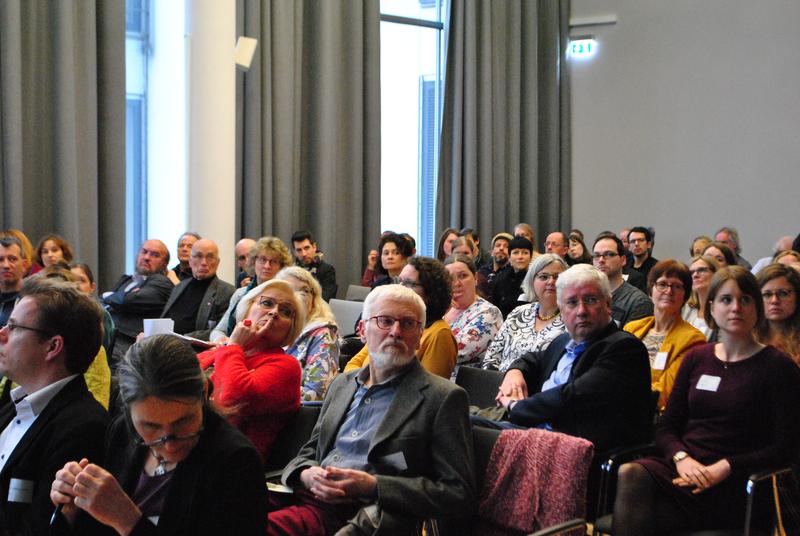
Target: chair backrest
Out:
[483,440]
[481,385]
[293,436]
[357,293]
[346,314]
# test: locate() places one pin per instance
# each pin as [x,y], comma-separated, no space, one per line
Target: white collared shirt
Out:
[29,406]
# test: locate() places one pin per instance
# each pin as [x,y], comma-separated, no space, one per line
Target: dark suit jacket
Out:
[214,304]
[427,426]
[219,489]
[70,427]
[128,309]
[607,399]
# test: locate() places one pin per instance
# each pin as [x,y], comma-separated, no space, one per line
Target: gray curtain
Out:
[505,149]
[62,125]
[308,126]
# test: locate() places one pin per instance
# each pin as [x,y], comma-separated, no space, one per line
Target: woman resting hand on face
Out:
[255,382]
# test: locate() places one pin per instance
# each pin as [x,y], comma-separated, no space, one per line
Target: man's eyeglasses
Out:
[284,309]
[781,294]
[171,438]
[386,323]
[588,301]
[605,255]
[11,326]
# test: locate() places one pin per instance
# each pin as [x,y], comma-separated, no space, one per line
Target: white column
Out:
[210,124]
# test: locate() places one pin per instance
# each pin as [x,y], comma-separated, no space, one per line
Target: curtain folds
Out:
[505,145]
[62,125]
[308,126]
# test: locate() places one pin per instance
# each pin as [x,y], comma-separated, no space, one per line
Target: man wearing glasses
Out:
[392,445]
[51,337]
[593,381]
[196,304]
[136,297]
[627,302]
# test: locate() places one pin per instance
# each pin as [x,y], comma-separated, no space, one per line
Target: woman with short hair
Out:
[533,326]
[394,251]
[173,465]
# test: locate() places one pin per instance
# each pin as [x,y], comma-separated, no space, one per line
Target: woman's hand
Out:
[246,334]
[61,490]
[97,492]
[372,259]
[694,474]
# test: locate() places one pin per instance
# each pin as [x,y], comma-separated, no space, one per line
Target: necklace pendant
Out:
[161,470]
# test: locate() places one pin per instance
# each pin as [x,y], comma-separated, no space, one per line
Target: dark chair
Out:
[481,385]
[571,527]
[293,436]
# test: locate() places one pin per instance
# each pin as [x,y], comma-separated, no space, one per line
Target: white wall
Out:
[687,119]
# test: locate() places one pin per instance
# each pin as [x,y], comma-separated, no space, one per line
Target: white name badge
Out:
[708,383]
[660,362]
[20,491]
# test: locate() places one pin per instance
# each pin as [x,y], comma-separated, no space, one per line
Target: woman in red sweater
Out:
[255,383]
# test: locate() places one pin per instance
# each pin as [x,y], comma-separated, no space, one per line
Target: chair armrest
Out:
[609,467]
[562,528]
[750,489]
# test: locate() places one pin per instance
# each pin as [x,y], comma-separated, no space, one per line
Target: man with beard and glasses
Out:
[488,272]
[392,445]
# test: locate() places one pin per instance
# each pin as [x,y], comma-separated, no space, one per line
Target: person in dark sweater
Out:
[508,284]
[733,411]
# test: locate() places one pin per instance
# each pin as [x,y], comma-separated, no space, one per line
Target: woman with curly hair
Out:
[394,250]
[780,286]
[437,349]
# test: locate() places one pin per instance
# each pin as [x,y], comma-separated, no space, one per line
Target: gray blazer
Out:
[421,451]
[215,302]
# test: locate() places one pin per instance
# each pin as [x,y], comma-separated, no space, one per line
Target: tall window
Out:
[137,46]
[412,85]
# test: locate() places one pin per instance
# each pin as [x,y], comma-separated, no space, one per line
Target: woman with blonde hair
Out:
[255,382]
[701,269]
[316,348]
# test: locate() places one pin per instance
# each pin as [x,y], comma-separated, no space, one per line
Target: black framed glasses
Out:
[11,326]
[386,323]
[781,294]
[605,255]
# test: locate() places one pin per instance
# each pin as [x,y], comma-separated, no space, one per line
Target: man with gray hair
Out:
[730,237]
[392,445]
[593,381]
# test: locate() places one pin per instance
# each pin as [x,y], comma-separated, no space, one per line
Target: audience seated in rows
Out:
[532,326]
[437,348]
[392,446]
[473,320]
[255,381]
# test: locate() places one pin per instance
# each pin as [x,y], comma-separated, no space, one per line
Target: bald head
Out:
[242,248]
[784,243]
[153,258]
[204,259]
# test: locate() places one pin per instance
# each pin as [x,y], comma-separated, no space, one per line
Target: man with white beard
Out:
[392,445]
